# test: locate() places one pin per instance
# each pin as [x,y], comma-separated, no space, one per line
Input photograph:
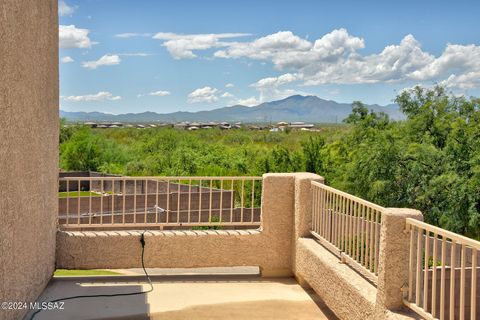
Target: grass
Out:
[72,194]
[92,272]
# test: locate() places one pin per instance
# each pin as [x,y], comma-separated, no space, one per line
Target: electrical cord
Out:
[142,241]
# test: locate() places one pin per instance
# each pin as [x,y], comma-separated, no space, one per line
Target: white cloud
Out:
[335,58]
[72,37]
[132,35]
[106,60]
[454,59]
[470,80]
[266,47]
[249,102]
[271,88]
[100,96]
[160,93]
[181,46]
[66,59]
[64,9]
[272,82]
[393,64]
[205,94]
[227,95]
[288,51]
[229,85]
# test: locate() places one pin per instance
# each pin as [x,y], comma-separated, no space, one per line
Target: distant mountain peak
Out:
[306,108]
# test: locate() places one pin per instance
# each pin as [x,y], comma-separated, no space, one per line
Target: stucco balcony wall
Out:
[269,247]
[335,282]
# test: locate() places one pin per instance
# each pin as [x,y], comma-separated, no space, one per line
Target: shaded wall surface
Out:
[28,148]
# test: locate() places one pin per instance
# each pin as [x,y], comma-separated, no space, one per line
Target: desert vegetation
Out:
[430,161]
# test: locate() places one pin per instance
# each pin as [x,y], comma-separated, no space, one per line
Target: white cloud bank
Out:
[335,58]
[181,46]
[100,96]
[106,60]
[73,37]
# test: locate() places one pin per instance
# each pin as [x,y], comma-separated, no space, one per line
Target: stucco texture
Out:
[344,291]
[393,258]
[282,246]
[28,148]
[269,247]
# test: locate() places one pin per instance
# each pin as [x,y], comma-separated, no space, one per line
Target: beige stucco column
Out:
[28,149]
[303,211]
[393,258]
[278,201]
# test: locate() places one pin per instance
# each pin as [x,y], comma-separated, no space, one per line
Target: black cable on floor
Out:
[142,241]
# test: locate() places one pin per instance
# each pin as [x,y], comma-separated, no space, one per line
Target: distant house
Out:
[90,124]
[300,125]
[182,125]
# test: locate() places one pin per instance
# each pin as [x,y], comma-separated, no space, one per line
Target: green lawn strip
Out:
[92,272]
[73,194]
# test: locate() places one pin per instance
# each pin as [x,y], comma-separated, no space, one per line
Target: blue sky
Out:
[121,56]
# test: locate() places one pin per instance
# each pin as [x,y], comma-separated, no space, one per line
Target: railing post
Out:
[303,202]
[393,258]
[278,193]
[303,211]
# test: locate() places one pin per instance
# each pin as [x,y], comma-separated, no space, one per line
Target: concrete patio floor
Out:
[185,297]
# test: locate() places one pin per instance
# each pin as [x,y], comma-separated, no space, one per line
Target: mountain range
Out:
[294,108]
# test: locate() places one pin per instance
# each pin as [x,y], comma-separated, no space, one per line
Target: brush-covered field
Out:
[431,161]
